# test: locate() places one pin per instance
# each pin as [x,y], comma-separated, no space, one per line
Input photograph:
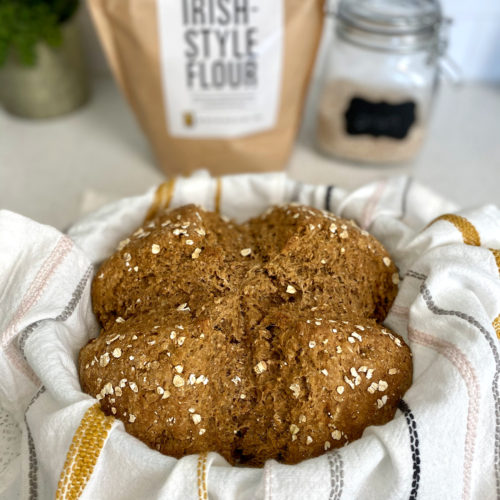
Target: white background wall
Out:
[474,38]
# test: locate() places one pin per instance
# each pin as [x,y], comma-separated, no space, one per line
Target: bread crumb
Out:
[246,252]
[309,440]
[123,244]
[155,249]
[294,429]
[178,381]
[382,401]
[290,289]
[382,385]
[111,340]
[387,261]
[260,367]
[196,253]
[340,389]
[104,360]
[295,388]
[107,389]
[196,418]
[131,418]
[117,352]
[349,382]
[336,435]
[393,371]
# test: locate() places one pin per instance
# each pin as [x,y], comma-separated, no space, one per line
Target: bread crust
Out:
[257,341]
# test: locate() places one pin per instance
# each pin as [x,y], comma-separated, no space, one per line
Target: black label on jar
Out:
[379,118]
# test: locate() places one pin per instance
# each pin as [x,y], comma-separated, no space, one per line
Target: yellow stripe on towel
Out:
[202,477]
[496,325]
[218,195]
[162,199]
[83,453]
[496,254]
[496,321]
[469,232]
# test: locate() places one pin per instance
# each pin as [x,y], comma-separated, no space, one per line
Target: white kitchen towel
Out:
[444,441]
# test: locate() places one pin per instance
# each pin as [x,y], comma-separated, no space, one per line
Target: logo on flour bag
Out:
[221,65]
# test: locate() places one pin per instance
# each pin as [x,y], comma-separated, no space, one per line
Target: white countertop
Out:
[53,170]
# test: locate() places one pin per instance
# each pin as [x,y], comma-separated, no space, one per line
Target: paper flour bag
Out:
[214,83]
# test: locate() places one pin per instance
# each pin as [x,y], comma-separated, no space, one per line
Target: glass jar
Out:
[380,79]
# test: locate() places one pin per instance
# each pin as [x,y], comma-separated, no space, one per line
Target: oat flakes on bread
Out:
[261,340]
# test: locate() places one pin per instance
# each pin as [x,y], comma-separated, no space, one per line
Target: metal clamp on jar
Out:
[380,79]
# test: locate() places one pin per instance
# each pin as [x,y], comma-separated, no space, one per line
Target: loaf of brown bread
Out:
[257,341]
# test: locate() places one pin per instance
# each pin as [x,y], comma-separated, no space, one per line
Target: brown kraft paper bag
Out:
[217,84]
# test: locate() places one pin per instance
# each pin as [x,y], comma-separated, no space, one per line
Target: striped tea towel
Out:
[444,442]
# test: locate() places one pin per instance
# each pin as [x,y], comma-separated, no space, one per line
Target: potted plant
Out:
[42,70]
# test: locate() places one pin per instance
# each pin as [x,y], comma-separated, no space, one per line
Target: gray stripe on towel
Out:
[426,294]
[336,475]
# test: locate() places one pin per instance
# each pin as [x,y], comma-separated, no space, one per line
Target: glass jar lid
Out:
[400,25]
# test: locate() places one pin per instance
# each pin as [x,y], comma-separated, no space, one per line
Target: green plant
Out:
[24,23]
